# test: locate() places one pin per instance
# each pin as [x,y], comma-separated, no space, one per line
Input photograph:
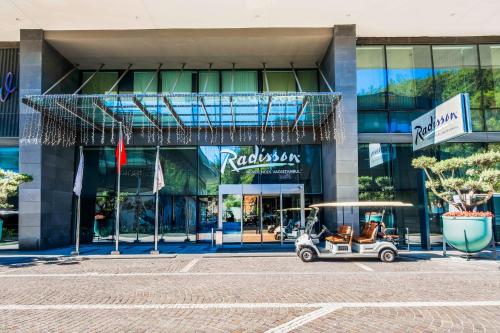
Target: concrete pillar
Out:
[45,204]
[340,182]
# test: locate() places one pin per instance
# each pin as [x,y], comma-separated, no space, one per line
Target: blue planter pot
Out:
[478,230]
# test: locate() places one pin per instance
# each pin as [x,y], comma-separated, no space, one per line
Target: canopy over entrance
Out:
[95,119]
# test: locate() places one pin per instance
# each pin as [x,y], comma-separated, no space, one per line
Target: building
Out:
[219,89]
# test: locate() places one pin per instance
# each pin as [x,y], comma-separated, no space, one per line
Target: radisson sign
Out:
[447,121]
[260,158]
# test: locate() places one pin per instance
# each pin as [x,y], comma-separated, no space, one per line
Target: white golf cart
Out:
[374,239]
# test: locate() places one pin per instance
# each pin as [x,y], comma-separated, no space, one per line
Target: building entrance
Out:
[268,213]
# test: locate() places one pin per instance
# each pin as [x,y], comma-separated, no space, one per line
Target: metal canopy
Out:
[188,112]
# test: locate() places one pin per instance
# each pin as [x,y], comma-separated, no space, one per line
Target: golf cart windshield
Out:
[311,220]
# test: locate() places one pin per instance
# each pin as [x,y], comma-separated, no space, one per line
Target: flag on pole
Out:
[77,189]
[159,182]
[121,155]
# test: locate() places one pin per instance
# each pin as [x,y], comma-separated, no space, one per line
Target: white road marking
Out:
[302,320]
[363,266]
[111,306]
[9,274]
[190,265]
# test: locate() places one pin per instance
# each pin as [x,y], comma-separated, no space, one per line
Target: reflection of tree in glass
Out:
[244,176]
[378,189]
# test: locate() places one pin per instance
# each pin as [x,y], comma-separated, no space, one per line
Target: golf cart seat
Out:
[368,234]
[343,235]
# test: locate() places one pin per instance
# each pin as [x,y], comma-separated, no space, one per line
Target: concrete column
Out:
[45,204]
[340,159]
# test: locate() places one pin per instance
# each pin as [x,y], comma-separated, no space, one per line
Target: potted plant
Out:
[9,183]
[465,184]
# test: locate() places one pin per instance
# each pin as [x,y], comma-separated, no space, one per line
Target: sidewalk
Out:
[171,250]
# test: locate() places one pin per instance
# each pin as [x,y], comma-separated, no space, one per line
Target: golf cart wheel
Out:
[278,236]
[387,255]
[307,255]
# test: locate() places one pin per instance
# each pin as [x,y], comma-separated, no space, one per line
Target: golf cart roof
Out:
[297,208]
[363,204]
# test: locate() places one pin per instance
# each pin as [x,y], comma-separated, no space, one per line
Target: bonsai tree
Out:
[9,183]
[464,183]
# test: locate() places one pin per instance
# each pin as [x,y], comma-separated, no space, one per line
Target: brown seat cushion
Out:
[337,239]
[367,234]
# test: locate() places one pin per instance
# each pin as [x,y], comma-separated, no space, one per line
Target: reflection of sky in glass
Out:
[370,81]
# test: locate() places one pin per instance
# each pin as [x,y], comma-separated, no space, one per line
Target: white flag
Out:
[79,177]
[159,183]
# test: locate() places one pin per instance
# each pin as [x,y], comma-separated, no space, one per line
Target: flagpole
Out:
[117,218]
[77,240]
[156,188]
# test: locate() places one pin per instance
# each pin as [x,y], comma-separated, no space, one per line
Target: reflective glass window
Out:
[180,170]
[208,170]
[409,71]
[456,70]
[233,159]
[9,158]
[239,81]
[490,67]
[373,122]
[280,81]
[171,80]
[310,168]
[308,80]
[145,82]
[100,83]
[371,77]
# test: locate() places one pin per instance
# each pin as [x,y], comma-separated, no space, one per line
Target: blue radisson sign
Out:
[447,121]
[7,87]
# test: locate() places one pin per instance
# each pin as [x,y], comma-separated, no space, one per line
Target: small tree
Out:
[9,183]
[464,183]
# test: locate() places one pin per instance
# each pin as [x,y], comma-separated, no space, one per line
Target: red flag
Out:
[121,155]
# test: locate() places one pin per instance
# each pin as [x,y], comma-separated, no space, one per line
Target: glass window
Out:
[308,80]
[385,173]
[183,84]
[372,122]
[409,72]
[490,66]
[280,81]
[371,77]
[492,119]
[280,174]
[230,169]
[180,170]
[401,120]
[208,170]
[9,158]
[209,82]
[310,168]
[456,70]
[239,81]
[145,80]
[100,83]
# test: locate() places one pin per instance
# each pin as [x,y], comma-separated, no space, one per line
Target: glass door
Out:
[231,218]
[261,213]
[251,219]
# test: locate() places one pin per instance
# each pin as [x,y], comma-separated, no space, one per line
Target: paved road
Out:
[249,294]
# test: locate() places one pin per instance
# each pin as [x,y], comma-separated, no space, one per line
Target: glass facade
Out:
[9,160]
[385,173]
[188,202]
[398,83]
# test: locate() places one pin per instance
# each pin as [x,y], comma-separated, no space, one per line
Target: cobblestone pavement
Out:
[189,293]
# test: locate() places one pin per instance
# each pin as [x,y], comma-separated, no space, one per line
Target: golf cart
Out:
[374,239]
